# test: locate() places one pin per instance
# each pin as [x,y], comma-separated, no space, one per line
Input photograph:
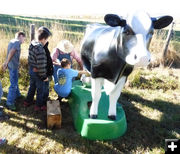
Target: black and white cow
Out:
[111,52]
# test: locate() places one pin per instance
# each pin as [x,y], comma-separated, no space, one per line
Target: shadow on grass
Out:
[142,132]
[6,148]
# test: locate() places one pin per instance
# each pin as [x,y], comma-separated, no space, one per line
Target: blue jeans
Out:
[45,92]
[14,88]
[35,84]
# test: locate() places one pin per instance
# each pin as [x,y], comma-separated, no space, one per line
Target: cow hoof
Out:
[94,116]
[112,117]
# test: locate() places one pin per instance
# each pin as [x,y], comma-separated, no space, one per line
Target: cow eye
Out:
[128,31]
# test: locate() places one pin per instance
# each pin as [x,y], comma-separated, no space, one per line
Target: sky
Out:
[89,7]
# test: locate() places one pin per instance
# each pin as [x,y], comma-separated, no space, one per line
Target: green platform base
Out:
[95,129]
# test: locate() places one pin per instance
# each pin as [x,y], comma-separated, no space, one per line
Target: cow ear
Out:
[114,20]
[161,22]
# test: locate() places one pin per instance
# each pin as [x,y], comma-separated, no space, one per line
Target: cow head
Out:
[136,34]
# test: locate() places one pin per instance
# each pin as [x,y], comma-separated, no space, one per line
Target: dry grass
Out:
[58,35]
[157,47]
[58,32]
[4,43]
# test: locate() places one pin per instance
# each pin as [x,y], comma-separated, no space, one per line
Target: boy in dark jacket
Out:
[49,75]
[37,61]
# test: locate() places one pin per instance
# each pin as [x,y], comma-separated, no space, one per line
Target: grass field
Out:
[151,100]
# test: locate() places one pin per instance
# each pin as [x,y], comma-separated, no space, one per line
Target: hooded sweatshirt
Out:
[37,59]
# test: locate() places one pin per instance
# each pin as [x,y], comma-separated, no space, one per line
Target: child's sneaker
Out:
[37,108]
[26,104]
[43,108]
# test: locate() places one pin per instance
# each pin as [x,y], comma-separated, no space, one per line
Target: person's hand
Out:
[81,67]
[35,69]
[87,74]
[5,65]
[46,79]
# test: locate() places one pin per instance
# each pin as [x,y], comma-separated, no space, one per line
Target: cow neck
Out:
[126,70]
[119,43]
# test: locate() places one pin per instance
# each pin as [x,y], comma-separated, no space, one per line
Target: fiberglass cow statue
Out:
[110,52]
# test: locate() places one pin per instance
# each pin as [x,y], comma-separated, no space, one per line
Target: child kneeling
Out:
[65,76]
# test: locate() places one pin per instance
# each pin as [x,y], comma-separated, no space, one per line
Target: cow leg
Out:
[96,85]
[113,97]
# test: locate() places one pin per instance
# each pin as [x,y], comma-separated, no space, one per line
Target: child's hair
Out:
[43,33]
[65,62]
[18,34]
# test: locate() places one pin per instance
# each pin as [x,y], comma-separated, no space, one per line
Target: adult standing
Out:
[64,49]
[12,63]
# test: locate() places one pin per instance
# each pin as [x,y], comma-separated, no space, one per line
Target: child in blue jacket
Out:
[65,77]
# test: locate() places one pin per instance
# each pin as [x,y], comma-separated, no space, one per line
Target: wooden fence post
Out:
[32,32]
[165,48]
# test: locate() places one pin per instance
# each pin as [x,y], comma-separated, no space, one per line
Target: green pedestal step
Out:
[101,128]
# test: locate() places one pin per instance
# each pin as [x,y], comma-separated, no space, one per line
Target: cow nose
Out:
[149,60]
[144,61]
